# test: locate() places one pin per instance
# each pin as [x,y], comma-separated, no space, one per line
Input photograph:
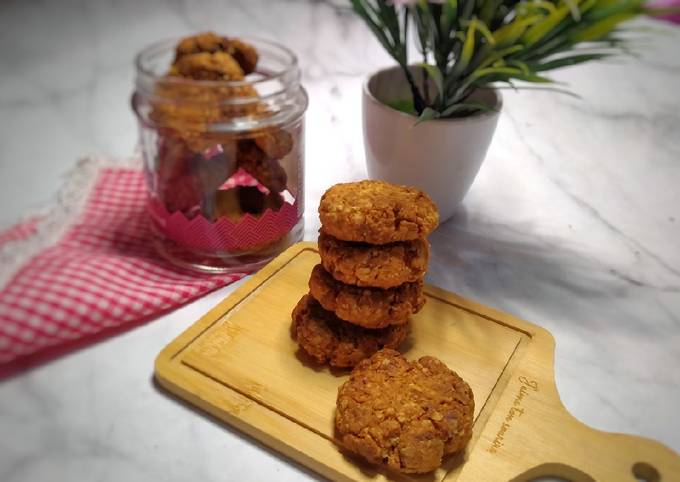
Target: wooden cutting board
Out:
[240,364]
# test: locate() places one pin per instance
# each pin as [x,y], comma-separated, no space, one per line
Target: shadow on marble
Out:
[512,269]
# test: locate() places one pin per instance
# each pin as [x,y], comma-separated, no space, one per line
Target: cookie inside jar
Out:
[221,121]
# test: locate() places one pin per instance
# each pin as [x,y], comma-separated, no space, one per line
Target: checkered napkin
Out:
[86,268]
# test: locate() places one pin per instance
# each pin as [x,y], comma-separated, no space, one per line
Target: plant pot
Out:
[441,157]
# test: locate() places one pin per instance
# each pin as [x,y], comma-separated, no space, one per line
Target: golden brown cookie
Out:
[276,143]
[266,170]
[226,206]
[367,307]
[244,53]
[202,42]
[234,203]
[379,266]
[377,212]
[207,66]
[328,339]
[192,108]
[404,415]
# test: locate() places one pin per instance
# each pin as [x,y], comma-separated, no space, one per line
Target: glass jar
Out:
[224,160]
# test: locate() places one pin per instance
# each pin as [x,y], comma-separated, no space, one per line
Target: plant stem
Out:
[426,87]
[418,102]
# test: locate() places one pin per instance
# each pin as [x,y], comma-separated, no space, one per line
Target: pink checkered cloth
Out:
[98,274]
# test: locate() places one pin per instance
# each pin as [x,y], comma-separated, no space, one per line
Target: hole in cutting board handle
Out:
[550,479]
[644,472]
[554,472]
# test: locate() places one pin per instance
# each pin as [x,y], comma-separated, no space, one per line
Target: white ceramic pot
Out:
[441,157]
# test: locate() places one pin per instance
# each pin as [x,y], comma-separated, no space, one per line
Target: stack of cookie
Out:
[374,254]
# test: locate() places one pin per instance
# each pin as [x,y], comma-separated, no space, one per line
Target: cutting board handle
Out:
[559,445]
[530,434]
[603,457]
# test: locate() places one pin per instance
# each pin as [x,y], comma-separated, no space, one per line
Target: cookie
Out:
[380,266]
[266,170]
[226,205]
[192,110]
[377,212]
[328,339]
[245,54]
[203,42]
[367,307]
[404,415]
[255,202]
[177,186]
[275,143]
[207,66]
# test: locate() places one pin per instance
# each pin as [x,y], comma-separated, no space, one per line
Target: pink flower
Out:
[672,5]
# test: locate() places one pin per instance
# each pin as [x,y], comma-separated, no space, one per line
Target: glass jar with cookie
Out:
[221,124]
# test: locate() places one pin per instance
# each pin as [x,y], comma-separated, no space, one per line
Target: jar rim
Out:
[170,44]
[276,83]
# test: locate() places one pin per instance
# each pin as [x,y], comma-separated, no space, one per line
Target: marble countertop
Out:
[573,223]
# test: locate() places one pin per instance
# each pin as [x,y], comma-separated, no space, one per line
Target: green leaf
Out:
[436,75]
[533,87]
[473,106]
[520,65]
[427,114]
[468,49]
[605,9]
[547,6]
[388,15]
[479,73]
[509,33]
[467,44]
[534,78]
[500,54]
[449,14]
[540,29]
[547,47]
[421,17]
[602,28]
[360,8]
[586,6]
[403,105]
[484,30]
[573,8]
[567,61]
[488,9]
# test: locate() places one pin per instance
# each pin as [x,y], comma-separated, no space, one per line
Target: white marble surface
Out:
[573,223]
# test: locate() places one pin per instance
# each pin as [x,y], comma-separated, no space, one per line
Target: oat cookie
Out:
[207,66]
[367,307]
[404,415]
[245,54]
[328,339]
[202,42]
[379,266]
[276,143]
[377,212]
[266,170]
